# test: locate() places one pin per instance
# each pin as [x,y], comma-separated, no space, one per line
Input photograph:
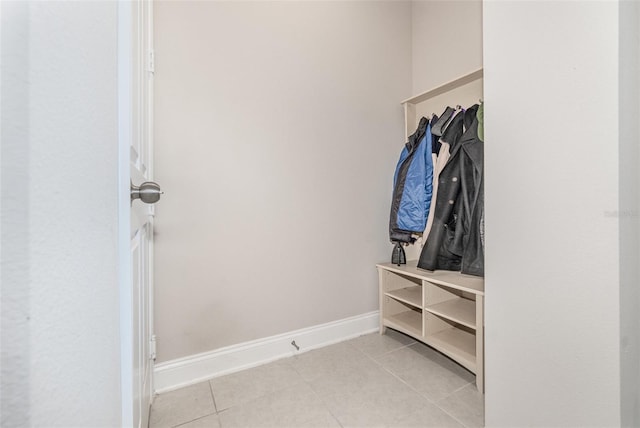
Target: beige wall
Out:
[447,41]
[629,208]
[278,126]
[552,225]
[60,335]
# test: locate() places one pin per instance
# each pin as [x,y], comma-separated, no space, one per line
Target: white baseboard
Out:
[189,370]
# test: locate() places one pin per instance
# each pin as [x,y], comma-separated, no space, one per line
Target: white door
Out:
[136,158]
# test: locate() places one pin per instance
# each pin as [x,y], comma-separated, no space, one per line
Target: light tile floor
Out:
[371,381]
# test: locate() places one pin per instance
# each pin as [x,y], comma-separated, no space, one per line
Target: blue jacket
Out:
[412,186]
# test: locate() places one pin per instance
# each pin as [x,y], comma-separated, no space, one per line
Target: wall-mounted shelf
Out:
[465,90]
[446,87]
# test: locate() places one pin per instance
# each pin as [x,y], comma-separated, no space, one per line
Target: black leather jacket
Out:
[456,238]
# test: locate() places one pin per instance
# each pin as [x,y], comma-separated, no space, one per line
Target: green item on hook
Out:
[480,117]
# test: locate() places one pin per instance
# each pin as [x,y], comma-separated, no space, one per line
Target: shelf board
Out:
[457,280]
[457,344]
[446,87]
[409,295]
[409,322]
[460,310]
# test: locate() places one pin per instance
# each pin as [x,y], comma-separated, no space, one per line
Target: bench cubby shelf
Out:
[442,309]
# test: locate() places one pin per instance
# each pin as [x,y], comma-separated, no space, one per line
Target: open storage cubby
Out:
[402,299]
[443,309]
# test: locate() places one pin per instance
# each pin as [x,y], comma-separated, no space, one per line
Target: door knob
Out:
[148,192]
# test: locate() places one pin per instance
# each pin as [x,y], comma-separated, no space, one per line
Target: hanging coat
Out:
[472,172]
[440,158]
[412,185]
[456,233]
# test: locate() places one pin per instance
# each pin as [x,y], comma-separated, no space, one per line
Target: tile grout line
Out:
[395,375]
[213,397]
[324,403]
[265,395]
[457,390]
[405,383]
[415,390]
[448,413]
[289,361]
[187,421]
[393,350]
[308,383]
[371,357]
[196,419]
[462,401]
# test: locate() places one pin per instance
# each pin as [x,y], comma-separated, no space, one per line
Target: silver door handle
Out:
[148,192]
